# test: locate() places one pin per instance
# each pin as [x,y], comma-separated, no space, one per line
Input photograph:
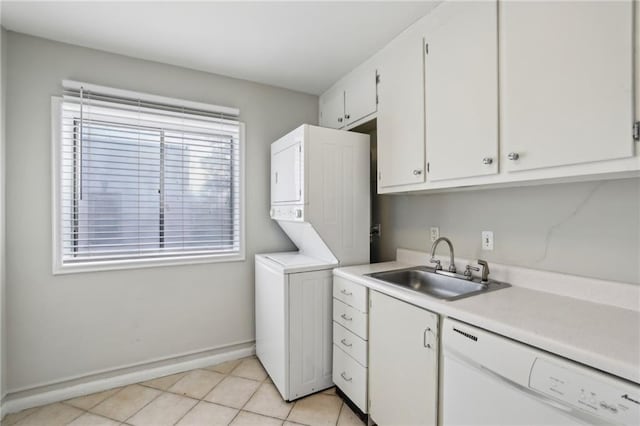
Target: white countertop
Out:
[602,336]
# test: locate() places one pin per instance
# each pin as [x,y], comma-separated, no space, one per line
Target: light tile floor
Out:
[233,393]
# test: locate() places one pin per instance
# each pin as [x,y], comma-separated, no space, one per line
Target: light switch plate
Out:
[435,233]
[487,240]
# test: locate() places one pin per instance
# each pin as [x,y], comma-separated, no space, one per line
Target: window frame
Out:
[59,267]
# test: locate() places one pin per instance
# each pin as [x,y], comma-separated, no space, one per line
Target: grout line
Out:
[204,396]
[187,412]
[82,413]
[141,408]
[340,412]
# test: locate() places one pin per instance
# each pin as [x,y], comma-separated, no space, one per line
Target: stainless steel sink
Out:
[440,284]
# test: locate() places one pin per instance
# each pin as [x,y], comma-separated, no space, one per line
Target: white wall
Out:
[590,228]
[64,326]
[3,334]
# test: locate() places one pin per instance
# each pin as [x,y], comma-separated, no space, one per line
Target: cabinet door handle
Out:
[345,292]
[487,160]
[417,172]
[513,156]
[344,342]
[347,116]
[345,317]
[347,379]
[339,119]
[424,338]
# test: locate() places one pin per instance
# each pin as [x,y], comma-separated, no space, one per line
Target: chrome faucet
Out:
[452,264]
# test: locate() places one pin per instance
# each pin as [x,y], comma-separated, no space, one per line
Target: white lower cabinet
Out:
[403,363]
[350,345]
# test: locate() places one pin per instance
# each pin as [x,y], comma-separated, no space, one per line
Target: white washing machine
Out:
[491,380]
[293,322]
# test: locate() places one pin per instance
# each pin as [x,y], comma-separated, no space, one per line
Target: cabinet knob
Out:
[339,119]
[513,156]
[417,172]
[487,160]
[347,116]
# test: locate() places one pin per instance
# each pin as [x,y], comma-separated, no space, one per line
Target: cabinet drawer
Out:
[351,344]
[351,293]
[350,377]
[350,318]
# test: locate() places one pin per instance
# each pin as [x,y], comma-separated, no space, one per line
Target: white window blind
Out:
[145,178]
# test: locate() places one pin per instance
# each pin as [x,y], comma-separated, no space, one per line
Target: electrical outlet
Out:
[435,233]
[487,240]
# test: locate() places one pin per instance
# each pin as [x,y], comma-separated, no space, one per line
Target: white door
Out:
[461,90]
[400,118]
[360,95]
[286,177]
[272,317]
[403,362]
[566,82]
[332,108]
[310,332]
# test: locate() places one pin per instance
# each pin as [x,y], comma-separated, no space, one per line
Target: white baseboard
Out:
[35,397]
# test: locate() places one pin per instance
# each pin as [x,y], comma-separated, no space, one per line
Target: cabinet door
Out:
[360,95]
[400,118]
[566,82]
[403,370]
[332,108]
[461,90]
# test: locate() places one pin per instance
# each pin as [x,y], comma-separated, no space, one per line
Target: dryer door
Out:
[286,173]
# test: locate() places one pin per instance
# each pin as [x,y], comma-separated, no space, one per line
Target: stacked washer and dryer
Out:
[320,198]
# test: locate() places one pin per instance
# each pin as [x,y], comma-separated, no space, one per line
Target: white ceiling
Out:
[304,46]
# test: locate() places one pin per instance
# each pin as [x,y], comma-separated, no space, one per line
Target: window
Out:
[141,182]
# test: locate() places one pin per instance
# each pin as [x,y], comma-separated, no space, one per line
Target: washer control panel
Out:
[290,212]
[614,400]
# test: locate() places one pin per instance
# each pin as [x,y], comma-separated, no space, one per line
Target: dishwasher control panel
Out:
[618,404]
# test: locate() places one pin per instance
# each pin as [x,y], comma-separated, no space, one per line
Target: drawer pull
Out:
[344,342]
[426,345]
[345,317]
[347,379]
[345,292]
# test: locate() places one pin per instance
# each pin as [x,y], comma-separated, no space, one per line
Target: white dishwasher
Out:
[491,380]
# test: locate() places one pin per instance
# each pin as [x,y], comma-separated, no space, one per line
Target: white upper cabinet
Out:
[360,95]
[566,82]
[461,90]
[332,108]
[509,91]
[350,99]
[400,118]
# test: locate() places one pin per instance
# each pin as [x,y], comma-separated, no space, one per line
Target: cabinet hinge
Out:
[427,167]
[377,101]
[426,48]
[636,131]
